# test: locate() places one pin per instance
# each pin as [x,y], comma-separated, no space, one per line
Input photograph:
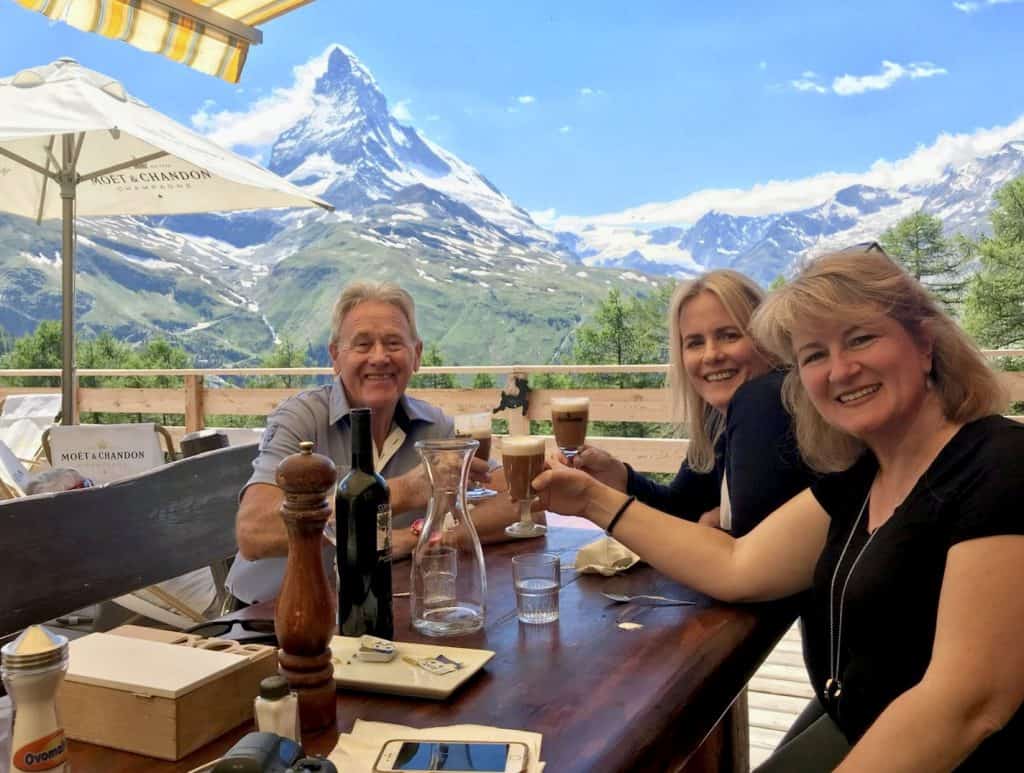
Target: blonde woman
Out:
[742,460]
[912,548]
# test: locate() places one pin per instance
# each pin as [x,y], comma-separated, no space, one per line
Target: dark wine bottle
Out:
[363,517]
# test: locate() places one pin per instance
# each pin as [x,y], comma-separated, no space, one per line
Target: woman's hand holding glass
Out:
[601,465]
[563,489]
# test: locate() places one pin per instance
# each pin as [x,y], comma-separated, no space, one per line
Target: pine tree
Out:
[286,354]
[432,358]
[994,309]
[938,263]
[624,332]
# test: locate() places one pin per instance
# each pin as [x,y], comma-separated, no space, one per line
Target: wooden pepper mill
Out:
[304,615]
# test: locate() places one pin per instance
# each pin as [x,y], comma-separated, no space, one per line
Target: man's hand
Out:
[411,491]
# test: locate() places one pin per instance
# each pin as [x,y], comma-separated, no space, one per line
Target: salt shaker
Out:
[33,667]
[277,709]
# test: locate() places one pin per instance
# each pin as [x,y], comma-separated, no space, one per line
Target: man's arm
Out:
[411,491]
[260,531]
[490,516]
[259,528]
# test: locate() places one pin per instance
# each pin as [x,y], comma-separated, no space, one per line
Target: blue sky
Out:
[587,107]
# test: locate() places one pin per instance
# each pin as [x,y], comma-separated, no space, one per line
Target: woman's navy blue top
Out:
[757,449]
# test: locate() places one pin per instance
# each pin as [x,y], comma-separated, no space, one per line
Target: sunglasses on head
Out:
[864,247]
[262,630]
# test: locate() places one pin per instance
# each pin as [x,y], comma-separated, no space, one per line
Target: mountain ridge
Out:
[777,243]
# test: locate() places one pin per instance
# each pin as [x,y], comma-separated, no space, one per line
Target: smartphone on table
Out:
[452,757]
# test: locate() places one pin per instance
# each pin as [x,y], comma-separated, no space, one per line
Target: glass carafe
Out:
[449,581]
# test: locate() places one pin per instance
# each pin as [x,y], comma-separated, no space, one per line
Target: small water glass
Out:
[537,579]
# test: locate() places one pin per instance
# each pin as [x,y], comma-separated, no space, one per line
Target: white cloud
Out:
[762,65]
[926,163]
[808,85]
[268,116]
[564,129]
[526,100]
[401,111]
[847,85]
[588,91]
[971,7]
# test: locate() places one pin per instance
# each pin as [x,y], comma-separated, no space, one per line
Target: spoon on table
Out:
[621,598]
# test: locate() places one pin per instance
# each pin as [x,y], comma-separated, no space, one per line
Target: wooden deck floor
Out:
[776,695]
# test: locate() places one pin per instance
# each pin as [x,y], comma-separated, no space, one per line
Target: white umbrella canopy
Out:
[74,143]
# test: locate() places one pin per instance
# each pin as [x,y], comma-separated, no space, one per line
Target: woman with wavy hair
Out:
[742,460]
[911,547]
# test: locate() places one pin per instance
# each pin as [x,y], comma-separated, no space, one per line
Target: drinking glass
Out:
[523,459]
[478,427]
[569,418]
[536,577]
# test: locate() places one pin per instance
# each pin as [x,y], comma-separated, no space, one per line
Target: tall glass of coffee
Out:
[569,418]
[478,427]
[523,459]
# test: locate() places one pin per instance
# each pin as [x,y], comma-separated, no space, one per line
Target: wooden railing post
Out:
[194,418]
[518,423]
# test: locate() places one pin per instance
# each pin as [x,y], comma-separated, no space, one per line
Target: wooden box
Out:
[159,693]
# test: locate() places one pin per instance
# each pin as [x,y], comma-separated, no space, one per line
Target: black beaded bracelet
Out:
[618,514]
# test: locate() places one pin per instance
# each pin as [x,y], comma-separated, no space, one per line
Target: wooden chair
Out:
[106,452]
[109,452]
[22,423]
[77,548]
[13,475]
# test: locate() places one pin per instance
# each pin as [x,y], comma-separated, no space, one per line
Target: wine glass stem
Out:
[525,517]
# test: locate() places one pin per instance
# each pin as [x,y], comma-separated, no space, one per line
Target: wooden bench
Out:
[66,551]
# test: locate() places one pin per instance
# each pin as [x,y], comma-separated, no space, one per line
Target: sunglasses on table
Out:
[259,630]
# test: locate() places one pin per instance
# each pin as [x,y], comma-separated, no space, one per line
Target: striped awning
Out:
[212,36]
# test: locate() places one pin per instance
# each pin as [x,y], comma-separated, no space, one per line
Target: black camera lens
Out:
[313,765]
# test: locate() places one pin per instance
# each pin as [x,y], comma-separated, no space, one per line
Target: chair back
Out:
[77,548]
[22,423]
[41,408]
[107,452]
[242,436]
[13,475]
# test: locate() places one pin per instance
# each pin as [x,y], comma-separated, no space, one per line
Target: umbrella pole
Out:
[69,378]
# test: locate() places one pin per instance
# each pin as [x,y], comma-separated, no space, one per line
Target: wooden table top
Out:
[605,699]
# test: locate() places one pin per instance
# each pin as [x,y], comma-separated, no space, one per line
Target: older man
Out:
[374,349]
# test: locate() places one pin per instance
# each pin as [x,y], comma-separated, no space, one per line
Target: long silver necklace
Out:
[833,685]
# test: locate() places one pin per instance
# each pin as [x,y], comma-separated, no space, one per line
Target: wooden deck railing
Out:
[197,400]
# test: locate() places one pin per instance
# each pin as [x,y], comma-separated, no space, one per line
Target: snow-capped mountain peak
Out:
[353,152]
[765,246]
